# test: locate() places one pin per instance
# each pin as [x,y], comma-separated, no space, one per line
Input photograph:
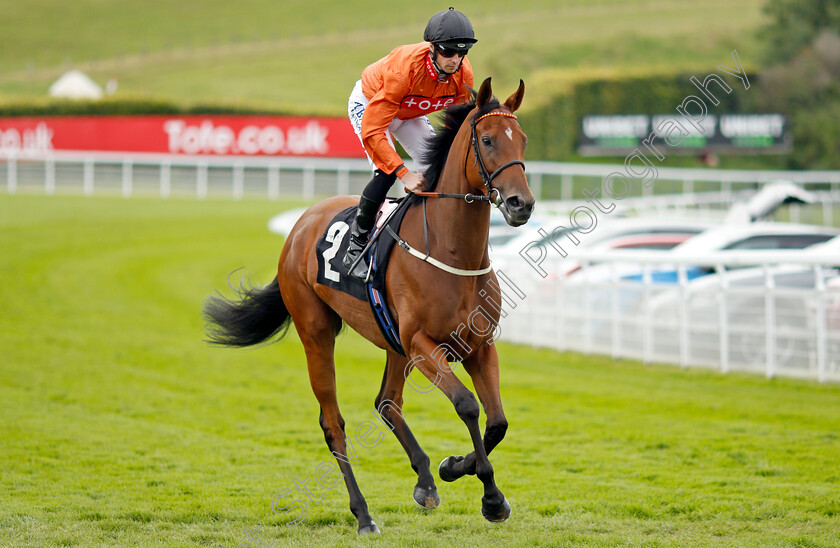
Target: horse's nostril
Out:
[515,202]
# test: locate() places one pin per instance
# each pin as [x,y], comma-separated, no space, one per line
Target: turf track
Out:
[121,427]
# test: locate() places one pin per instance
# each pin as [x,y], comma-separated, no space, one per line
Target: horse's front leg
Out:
[483,368]
[428,358]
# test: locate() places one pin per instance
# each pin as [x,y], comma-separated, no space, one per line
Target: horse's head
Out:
[498,148]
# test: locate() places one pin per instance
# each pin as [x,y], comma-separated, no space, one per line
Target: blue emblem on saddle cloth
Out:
[331,248]
[377,300]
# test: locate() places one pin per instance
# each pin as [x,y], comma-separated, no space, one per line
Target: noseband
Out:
[486,176]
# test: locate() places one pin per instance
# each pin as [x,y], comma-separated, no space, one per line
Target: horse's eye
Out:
[486,141]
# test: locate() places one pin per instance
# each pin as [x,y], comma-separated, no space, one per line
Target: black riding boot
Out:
[359,232]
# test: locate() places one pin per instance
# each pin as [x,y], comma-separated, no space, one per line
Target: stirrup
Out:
[362,270]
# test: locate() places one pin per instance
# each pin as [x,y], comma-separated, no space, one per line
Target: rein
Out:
[469,198]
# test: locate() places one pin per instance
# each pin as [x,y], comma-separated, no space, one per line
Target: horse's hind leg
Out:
[483,368]
[389,405]
[317,326]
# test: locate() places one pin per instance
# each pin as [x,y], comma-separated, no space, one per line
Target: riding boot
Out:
[359,232]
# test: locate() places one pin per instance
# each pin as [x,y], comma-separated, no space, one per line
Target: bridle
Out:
[486,176]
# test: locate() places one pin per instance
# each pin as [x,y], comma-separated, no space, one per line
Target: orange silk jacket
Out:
[405,85]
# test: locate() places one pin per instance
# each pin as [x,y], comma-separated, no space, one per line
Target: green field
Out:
[304,56]
[120,427]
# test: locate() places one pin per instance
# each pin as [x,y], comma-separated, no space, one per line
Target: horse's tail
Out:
[255,316]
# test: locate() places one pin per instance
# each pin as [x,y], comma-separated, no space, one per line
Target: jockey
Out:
[393,98]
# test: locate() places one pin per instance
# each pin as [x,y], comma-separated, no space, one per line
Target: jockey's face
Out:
[447,64]
[450,65]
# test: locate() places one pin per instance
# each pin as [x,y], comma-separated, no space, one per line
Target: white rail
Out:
[308,178]
[767,327]
[777,313]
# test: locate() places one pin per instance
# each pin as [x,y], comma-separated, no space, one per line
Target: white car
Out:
[763,236]
[542,249]
[729,239]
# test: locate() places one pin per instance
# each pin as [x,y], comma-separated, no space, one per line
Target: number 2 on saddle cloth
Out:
[331,273]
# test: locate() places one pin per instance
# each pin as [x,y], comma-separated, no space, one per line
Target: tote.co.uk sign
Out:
[215,135]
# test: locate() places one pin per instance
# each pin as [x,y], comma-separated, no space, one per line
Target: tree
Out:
[802,76]
[794,24]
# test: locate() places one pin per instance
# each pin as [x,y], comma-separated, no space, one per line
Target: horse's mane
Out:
[437,148]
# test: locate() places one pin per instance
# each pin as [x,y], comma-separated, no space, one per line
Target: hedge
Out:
[553,127]
[118,107]
[552,123]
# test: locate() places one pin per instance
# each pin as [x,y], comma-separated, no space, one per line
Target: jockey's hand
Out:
[413,182]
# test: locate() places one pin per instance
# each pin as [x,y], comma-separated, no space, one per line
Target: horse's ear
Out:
[515,100]
[485,93]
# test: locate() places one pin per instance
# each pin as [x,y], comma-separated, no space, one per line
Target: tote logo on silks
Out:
[425,104]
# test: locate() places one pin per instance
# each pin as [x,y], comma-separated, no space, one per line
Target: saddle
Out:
[332,246]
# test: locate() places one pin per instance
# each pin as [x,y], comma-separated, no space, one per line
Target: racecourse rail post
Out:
[342,182]
[165,180]
[647,336]
[49,176]
[723,319]
[201,181]
[769,321]
[682,278]
[88,177]
[822,322]
[11,174]
[308,183]
[238,181]
[127,182]
[615,285]
[273,181]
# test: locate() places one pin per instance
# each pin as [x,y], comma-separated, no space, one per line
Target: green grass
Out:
[120,427]
[303,57]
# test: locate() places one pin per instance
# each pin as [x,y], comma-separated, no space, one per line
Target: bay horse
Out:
[477,158]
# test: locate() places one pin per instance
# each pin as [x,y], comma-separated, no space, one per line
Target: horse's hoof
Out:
[426,498]
[445,468]
[371,529]
[496,513]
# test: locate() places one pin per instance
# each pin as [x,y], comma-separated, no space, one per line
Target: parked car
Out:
[740,239]
[618,286]
[763,236]
[767,200]
[539,249]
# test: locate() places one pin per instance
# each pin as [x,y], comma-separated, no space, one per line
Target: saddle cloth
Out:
[331,249]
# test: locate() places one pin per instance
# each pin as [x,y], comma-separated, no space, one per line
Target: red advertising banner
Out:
[214,135]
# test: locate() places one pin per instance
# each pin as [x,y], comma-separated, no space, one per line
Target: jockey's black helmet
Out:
[450,28]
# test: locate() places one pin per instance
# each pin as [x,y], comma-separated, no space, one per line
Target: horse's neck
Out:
[460,228]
